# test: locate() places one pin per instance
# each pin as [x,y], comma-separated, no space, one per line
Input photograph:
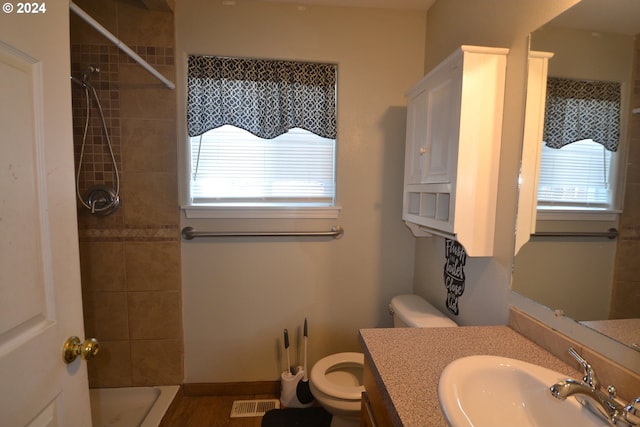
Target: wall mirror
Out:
[566,260]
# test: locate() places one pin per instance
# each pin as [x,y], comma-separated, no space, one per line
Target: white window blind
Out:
[232,167]
[577,176]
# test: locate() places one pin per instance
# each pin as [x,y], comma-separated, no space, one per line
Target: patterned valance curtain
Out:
[577,110]
[264,97]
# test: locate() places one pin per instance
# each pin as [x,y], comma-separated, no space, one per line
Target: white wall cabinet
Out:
[454,126]
[531,146]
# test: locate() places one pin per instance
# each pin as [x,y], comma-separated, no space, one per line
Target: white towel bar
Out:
[612,233]
[188,233]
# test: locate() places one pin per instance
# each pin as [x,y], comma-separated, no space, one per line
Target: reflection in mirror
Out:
[594,280]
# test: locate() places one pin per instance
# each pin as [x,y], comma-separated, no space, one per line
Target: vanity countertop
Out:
[407,362]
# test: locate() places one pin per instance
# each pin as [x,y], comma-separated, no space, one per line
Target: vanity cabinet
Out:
[454,126]
[367,418]
[373,412]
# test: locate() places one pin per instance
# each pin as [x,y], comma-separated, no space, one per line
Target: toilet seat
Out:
[333,362]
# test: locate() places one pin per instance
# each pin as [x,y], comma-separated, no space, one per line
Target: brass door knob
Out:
[73,348]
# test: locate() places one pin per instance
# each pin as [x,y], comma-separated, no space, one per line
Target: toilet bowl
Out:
[336,380]
[336,383]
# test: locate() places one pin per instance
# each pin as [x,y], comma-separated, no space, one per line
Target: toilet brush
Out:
[286,347]
[303,391]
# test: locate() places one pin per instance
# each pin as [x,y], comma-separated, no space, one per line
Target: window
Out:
[577,175]
[262,134]
[579,154]
[232,167]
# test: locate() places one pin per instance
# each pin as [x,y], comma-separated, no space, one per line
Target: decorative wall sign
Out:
[455,257]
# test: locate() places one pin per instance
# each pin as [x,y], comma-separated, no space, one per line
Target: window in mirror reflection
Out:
[581,134]
[576,175]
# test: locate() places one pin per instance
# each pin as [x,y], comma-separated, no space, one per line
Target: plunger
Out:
[303,391]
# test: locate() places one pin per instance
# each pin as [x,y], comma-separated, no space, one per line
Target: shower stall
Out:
[128,219]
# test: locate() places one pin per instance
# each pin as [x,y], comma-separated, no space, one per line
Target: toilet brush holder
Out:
[288,389]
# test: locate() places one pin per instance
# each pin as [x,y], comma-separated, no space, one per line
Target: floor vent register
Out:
[253,408]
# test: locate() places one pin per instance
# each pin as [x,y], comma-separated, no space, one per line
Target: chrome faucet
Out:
[588,392]
[590,377]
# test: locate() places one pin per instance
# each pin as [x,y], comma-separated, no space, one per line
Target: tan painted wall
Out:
[239,294]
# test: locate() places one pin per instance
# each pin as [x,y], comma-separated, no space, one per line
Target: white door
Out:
[40,298]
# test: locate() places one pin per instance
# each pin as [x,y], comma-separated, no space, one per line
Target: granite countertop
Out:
[407,363]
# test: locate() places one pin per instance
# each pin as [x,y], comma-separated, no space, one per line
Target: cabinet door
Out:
[366,414]
[432,128]
[416,138]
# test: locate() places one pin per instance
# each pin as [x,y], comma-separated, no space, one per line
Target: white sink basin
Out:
[491,391]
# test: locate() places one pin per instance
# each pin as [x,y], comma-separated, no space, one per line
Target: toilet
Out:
[336,380]
[336,383]
[411,311]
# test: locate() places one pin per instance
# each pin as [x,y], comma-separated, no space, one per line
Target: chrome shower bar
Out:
[123,47]
[612,233]
[188,233]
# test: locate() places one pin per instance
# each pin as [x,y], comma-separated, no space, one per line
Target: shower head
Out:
[90,69]
[84,82]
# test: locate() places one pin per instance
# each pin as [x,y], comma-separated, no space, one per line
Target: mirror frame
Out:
[608,347]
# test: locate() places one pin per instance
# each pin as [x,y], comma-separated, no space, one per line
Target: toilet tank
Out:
[412,311]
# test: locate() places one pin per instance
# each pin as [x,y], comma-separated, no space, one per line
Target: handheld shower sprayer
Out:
[87,72]
[84,82]
[77,81]
[102,199]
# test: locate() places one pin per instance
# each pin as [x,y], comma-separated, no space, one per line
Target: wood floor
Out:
[196,406]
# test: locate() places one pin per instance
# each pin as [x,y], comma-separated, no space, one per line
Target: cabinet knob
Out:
[422,150]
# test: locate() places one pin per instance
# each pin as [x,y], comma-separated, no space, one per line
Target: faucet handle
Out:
[631,412]
[633,407]
[589,373]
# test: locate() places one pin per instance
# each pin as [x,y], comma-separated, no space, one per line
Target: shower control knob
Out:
[102,200]
[73,348]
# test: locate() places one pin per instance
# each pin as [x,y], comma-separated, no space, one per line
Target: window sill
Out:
[275,212]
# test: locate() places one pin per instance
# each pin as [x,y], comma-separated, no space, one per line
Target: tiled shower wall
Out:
[130,260]
[625,301]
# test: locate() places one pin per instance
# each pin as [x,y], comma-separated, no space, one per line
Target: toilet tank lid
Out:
[416,312]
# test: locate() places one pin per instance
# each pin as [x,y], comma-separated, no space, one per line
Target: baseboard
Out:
[231,389]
